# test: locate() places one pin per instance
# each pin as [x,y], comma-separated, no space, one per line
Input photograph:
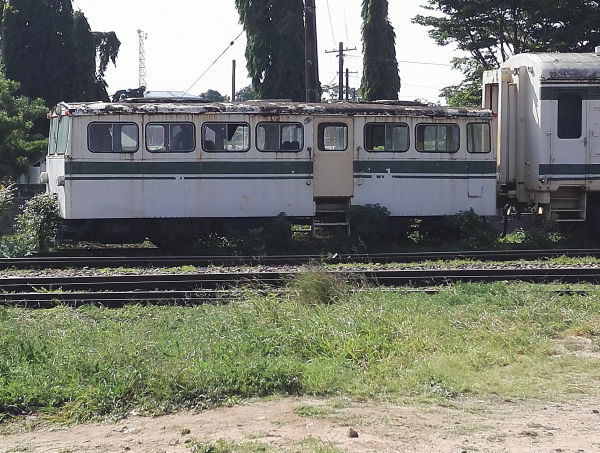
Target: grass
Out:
[490,340]
[223,446]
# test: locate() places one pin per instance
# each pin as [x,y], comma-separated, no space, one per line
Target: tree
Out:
[245,94]
[19,143]
[213,96]
[36,44]
[93,52]
[491,31]
[468,92]
[380,78]
[51,51]
[330,93]
[275,47]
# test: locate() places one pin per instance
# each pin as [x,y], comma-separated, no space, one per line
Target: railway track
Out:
[115,291]
[105,258]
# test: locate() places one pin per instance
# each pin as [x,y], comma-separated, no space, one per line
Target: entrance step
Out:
[331,216]
[568,204]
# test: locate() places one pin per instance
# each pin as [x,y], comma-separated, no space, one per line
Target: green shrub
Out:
[36,226]
[469,230]
[274,236]
[532,239]
[7,196]
[370,223]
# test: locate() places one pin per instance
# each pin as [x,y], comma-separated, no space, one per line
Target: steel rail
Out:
[61,262]
[200,288]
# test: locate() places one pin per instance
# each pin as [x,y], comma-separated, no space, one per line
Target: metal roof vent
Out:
[597,50]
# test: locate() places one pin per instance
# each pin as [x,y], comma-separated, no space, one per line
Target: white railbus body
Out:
[154,161]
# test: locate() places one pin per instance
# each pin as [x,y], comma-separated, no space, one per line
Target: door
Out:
[333,157]
[569,143]
[594,131]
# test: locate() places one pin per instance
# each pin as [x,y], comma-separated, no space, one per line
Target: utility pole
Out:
[232,80]
[348,84]
[142,58]
[340,53]
[311,62]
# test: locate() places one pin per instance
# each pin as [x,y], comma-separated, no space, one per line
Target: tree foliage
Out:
[491,31]
[275,42]
[51,51]
[19,143]
[246,93]
[214,96]
[380,78]
[468,92]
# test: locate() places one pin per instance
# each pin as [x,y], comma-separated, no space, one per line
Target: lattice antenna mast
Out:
[142,58]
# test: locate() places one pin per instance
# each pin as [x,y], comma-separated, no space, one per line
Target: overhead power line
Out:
[227,48]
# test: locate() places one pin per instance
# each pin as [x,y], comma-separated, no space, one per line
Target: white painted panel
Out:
[189,198]
[426,197]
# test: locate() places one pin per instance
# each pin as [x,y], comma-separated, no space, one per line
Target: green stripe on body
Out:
[588,93]
[450,167]
[569,169]
[188,168]
[271,169]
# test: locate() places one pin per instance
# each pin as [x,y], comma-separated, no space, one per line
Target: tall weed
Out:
[497,339]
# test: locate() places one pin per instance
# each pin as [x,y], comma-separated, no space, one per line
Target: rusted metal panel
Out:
[266,108]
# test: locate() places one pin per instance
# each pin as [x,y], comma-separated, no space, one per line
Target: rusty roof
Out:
[271,107]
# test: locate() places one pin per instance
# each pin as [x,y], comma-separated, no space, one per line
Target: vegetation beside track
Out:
[490,340]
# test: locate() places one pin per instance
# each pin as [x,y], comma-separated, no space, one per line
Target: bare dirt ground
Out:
[319,425]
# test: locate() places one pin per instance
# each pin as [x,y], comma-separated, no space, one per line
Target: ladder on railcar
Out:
[568,204]
[331,216]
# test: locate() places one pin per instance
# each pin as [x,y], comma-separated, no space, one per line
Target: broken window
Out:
[113,137]
[569,115]
[279,137]
[390,137]
[170,137]
[226,137]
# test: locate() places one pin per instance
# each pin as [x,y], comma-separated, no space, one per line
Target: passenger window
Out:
[569,116]
[113,137]
[386,137]
[226,137]
[170,137]
[279,137]
[64,126]
[438,138]
[478,138]
[53,139]
[333,137]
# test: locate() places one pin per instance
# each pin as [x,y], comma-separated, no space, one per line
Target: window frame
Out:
[170,123]
[321,135]
[53,136]
[424,151]
[281,124]
[63,132]
[385,123]
[561,94]
[224,151]
[489,137]
[113,123]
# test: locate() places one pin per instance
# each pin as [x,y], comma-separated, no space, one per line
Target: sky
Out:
[185,37]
